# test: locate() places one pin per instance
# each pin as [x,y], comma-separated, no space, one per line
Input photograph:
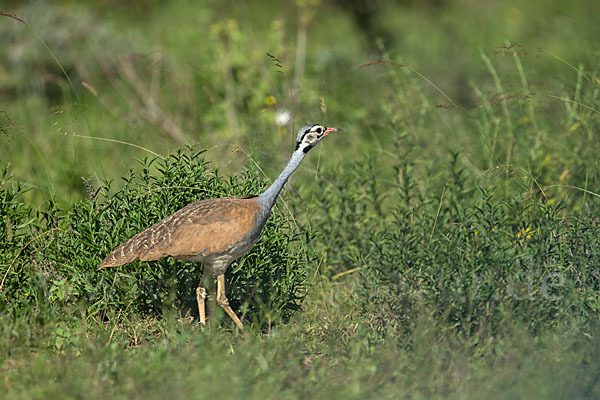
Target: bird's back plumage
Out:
[202,229]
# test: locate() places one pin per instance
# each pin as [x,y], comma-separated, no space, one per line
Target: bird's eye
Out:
[318,130]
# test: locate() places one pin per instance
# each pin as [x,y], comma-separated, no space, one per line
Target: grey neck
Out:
[268,197]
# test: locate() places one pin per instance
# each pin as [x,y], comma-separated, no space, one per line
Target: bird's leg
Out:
[202,294]
[211,283]
[200,297]
[223,302]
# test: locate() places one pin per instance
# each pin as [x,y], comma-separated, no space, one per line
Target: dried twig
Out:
[152,110]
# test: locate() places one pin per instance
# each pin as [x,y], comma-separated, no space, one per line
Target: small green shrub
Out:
[492,260]
[15,219]
[468,255]
[348,203]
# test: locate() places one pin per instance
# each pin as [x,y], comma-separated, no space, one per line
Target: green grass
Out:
[443,245]
[327,351]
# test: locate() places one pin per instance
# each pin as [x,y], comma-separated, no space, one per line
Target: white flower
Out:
[283,117]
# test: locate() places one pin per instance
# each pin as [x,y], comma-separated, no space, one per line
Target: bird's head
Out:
[310,135]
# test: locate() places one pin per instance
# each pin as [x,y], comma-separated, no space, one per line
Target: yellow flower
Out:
[270,101]
[524,234]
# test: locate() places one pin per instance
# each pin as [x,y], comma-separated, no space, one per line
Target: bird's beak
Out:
[331,130]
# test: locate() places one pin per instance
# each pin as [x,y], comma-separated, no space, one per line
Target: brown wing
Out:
[208,227]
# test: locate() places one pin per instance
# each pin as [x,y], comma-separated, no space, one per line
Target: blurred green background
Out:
[444,244]
[80,78]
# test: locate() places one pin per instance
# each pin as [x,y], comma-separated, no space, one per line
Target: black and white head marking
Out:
[309,136]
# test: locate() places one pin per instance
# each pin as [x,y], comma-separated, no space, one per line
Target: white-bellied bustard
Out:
[215,232]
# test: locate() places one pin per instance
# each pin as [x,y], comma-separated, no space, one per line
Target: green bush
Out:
[468,255]
[15,219]
[492,260]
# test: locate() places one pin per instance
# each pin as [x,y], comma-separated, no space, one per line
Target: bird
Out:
[215,232]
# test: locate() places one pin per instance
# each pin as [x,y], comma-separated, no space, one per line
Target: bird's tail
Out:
[119,256]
